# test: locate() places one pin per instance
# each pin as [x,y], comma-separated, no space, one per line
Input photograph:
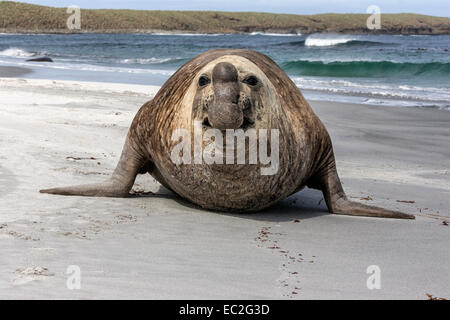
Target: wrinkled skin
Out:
[230,89]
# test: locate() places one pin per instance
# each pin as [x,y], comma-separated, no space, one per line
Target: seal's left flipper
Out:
[337,202]
[118,185]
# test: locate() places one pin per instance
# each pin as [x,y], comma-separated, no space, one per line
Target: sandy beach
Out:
[158,246]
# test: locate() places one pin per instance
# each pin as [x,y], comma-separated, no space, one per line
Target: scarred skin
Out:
[230,89]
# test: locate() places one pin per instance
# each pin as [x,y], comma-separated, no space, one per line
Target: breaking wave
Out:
[16,52]
[366,69]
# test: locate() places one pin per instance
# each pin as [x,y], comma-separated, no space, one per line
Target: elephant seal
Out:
[41,59]
[242,92]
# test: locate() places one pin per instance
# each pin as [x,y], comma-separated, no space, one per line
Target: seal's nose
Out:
[225,112]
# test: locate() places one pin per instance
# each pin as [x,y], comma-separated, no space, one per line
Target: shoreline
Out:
[55,133]
[339,98]
[75,85]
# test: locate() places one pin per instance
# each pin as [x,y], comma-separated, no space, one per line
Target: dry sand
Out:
[55,133]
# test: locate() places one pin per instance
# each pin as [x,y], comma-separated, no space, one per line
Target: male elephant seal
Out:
[218,91]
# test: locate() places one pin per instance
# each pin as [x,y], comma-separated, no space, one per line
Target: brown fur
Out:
[306,153]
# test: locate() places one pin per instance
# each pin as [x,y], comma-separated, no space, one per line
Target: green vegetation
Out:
[22,17]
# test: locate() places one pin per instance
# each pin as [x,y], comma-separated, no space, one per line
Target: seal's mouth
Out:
[246,124]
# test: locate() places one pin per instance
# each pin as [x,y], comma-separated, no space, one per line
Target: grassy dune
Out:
[22,17]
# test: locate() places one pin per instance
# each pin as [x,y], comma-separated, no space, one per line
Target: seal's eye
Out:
[203,81]
[251,81]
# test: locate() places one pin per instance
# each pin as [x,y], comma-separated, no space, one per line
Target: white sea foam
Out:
[16,52]
[186,34]
[145,61]
[384,93]
[323,40]
[86,67]
[275,34]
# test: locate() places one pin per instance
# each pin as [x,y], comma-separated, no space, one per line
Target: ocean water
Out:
[411,71]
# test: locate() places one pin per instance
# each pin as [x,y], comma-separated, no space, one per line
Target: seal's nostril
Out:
[206,122]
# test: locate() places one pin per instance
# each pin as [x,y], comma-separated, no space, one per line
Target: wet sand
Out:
[10,72]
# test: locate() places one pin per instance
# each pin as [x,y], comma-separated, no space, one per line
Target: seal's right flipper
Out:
[130,164]
[337,202]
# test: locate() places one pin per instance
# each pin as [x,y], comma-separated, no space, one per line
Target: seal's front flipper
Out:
[337,202]
[130,164]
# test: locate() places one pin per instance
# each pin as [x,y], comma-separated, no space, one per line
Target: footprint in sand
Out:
[26,275]
[290,277]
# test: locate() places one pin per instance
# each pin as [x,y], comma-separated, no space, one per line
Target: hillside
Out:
[22,17]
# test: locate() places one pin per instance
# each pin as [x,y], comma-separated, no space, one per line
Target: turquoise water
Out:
[373,69]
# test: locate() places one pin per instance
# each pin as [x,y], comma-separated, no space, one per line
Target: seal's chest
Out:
[247,171]
[230,187]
